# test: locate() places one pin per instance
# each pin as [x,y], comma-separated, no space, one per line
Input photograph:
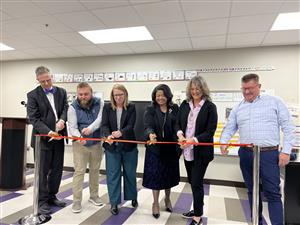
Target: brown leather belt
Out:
[271,148]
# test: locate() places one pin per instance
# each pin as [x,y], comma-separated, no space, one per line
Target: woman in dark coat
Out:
[197,122]
[118,122]
[161,167]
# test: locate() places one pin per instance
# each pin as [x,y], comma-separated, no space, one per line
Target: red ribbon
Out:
[145,142]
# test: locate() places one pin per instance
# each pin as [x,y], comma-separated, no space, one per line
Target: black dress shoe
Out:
[134,203]
[44,209]
[188,215]
[195,222]
[155,211]
[57,202]
[114,209]
[168,205]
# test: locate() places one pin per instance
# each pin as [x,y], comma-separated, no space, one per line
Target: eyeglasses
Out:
[118,95]
[249,88]
[45,81]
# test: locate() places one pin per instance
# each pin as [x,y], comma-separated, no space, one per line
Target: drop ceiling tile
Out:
[20,9]
[69,39]
[42,41]
[134,2]
[144,46]
[80,21]
[249,24]
[88,50]
[118,17]
[116,48]
[40,53]
[161,12]
[103,4]
[243,8]
[16,27]
[54,7]
[17,43]
[197,10]
[175,44]
[290,6]
[207,27]
[243,40]
[4,16]
[46,24]
[169,30]
[282,37]
[63,51]
[209,42]
[14,55]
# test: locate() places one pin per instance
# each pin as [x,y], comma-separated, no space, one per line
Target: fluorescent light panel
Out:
[4,47]
[117,35]
[287,21]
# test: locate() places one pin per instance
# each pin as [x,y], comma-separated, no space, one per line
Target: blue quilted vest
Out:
[85,117]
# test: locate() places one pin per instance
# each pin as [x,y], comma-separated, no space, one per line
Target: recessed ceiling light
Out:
[4,47]
[117,35]
[287,21]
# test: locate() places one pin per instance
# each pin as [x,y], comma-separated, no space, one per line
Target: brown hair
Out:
[249,77]
[84,85]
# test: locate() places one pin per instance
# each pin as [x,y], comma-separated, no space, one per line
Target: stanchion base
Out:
[34,219]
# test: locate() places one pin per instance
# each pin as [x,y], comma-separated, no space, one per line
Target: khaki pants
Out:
[82,156]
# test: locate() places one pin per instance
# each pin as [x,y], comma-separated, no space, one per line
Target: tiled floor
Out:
[223,205]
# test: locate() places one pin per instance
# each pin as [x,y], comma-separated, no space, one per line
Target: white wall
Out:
[17,78]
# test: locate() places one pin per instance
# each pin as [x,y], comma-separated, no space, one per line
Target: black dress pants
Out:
[196,171]
[51,167]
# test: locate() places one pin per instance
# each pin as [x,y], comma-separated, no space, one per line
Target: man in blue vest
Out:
[84,119]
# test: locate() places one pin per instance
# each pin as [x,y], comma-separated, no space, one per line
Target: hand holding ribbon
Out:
[54,136]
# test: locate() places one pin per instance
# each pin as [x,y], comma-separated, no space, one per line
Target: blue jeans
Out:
[117,160]
[269,182]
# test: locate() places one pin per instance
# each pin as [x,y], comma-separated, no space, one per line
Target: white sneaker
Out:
[76,207]
[96,201]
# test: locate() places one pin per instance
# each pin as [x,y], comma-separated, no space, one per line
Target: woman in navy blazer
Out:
[197,122]
[118,121]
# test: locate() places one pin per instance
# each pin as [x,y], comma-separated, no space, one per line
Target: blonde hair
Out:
[200,83]
[112,100]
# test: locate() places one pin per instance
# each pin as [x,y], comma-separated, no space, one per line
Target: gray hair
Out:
[41,70]
[200,83]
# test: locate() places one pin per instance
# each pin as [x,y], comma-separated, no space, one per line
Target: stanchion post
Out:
[255,191]
[36,175]
[35,218]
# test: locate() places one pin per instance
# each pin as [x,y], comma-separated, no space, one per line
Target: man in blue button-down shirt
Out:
[259,119]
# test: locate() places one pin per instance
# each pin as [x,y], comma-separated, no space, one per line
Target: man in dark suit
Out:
[47,111]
